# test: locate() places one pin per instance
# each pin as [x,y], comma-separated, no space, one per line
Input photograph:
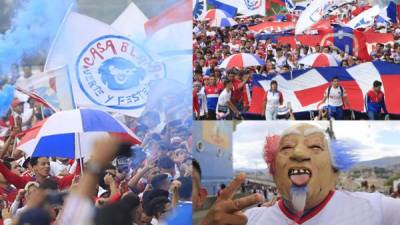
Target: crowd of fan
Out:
[211,45]
[150,185]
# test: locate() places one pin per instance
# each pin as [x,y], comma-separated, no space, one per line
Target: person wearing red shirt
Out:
[41,168]
[375,102]
[237,88]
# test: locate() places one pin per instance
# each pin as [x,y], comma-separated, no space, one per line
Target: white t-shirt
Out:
[344,208]
[224,98]
[272,100]
[281,61]
[335,96]
[57,167]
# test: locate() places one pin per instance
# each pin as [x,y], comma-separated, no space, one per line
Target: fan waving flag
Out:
[304,89]
[392,11]
[228,6]
[314,13]
[290,6]
[365,19]
[219,18]
[346,39]
[162,29]
[53,87]
[199,8]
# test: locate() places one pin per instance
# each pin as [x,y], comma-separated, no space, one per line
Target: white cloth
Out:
[203,102]
[335,96]
[224,98]
[281,61]
[344,208]
[77,211]
[57,167]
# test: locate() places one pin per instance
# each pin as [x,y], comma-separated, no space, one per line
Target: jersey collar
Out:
[310,214]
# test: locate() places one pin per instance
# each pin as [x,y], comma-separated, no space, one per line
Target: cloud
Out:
[371,139]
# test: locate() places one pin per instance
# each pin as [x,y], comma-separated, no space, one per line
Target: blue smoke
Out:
[33,27]
[6,98]
[170,97]
[343,154]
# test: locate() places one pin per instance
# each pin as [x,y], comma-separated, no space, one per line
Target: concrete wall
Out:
[216,165]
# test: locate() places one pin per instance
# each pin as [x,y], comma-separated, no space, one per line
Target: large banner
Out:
[304,89]
[371,39]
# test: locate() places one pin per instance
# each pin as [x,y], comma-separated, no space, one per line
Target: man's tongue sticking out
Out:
[300,180]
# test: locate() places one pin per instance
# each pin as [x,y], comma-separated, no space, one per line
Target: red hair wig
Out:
[271,148]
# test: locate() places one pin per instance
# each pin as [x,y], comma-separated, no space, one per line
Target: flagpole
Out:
[78,144]
[41,110]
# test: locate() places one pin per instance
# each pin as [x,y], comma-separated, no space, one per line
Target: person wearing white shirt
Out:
[273,99]
[336,98]
[224,104]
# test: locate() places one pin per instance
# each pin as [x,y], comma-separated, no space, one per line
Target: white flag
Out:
[130,23]
[251,7]
[108,70]
[314,13]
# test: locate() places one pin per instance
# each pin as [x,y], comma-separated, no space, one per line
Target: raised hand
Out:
[228,211]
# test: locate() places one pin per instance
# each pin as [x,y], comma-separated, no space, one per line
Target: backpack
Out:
[341,91]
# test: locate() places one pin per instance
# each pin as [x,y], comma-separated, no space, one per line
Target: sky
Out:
[376,139]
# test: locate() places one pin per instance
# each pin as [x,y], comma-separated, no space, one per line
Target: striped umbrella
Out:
[241,60]
[319,60]
[72,133]
[219,18]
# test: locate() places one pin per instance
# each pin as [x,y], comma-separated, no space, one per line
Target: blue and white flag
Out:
[365,19]
[252,7]
[229,6]
[199,8]
[290,5]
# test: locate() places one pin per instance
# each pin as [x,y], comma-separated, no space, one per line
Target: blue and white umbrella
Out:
[72,133]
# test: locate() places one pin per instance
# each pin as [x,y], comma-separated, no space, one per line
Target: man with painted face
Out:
[305,168]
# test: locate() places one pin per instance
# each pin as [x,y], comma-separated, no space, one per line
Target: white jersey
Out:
[341,207]
[222,104]
[274,99]
[224,98]
[335,96]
